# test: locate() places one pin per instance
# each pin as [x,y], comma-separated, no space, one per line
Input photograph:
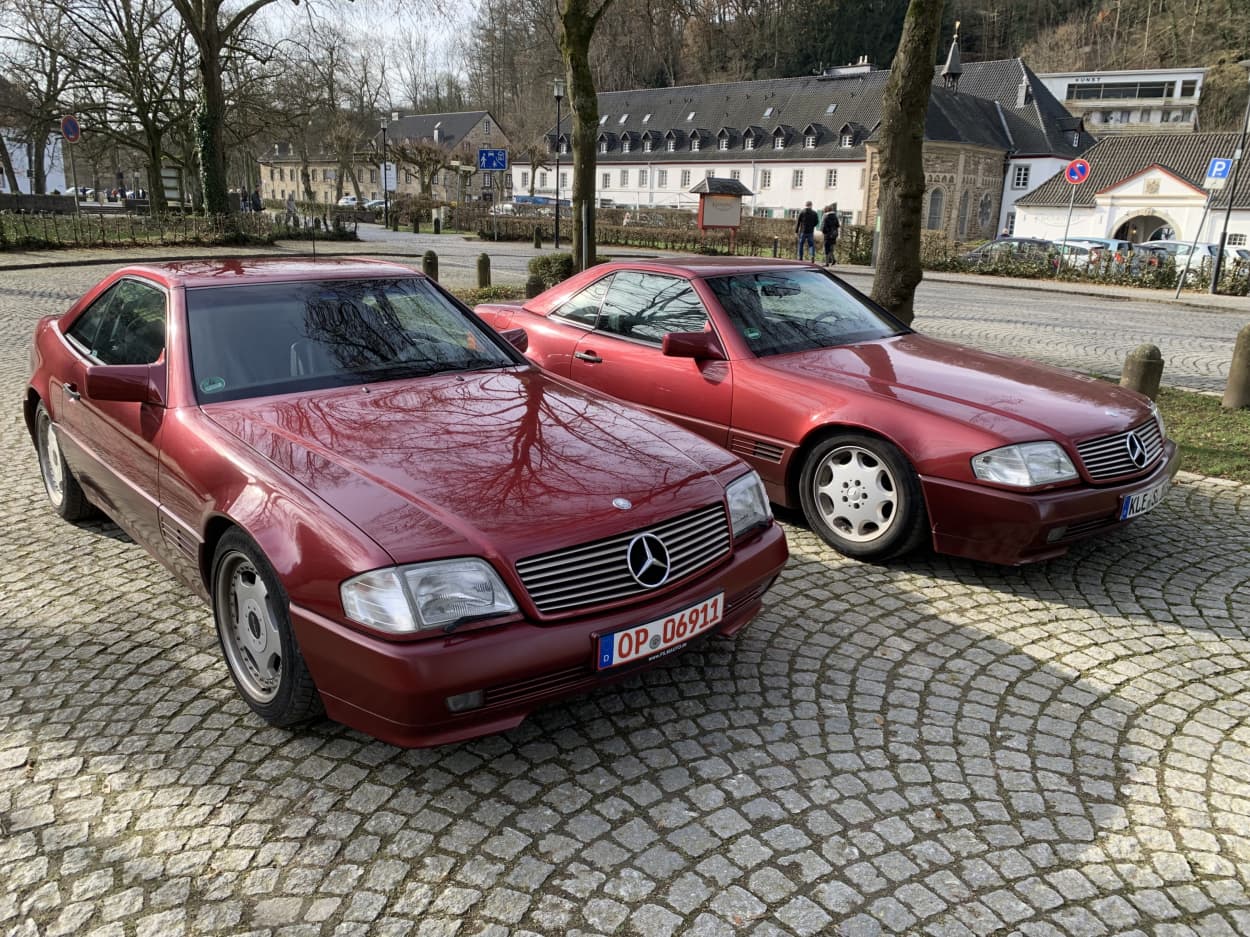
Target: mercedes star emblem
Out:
[1136,451]
[623,504]
[648,560]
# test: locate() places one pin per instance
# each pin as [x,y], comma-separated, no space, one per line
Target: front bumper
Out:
[1012,528]
[397,691]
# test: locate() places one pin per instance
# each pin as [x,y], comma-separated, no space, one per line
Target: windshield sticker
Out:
[211,385]
[751,333]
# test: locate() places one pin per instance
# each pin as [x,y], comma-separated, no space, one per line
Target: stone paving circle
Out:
[931,748]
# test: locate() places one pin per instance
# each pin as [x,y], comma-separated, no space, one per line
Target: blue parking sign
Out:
[1218,171]
[492,160]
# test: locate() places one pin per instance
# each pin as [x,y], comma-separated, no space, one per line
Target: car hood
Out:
[1012,397]
[504,463]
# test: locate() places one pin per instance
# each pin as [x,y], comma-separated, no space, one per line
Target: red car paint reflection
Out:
[395,517]
[883,437]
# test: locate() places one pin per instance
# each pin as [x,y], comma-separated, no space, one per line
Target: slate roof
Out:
[990,109]
[452,127]
[714,186]
[1116,157]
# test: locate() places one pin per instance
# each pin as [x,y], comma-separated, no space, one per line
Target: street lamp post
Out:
[559,93]
[386,202]
[1232,192]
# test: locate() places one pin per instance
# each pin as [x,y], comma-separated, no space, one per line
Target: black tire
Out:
[64,493]
[252,613]
[861,495]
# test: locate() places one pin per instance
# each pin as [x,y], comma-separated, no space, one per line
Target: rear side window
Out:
[583,308]
[124,326]
[647,306]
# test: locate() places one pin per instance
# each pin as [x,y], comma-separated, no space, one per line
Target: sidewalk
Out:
[41,259]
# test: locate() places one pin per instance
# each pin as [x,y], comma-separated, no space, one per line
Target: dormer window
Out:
[809,141]
[723,143]
[670,145]
[779,142]
[603,146]
[847,139]
[695,144]
[646,146]
[748,143]
[564,147]
[626,145]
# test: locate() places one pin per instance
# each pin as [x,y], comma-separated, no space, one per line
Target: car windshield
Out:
[780,312]
[278,338]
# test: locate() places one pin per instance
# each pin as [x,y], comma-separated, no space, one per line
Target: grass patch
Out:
[1212,440]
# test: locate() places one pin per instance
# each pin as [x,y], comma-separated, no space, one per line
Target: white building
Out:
[814,138]
[1154,100]
[1142,188]
[20,153]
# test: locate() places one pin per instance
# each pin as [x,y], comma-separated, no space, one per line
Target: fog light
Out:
[1056,533]
[465,701]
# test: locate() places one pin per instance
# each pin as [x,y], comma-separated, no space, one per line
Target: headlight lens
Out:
[1154,410]
[1025,465]
[407,599]
[748,503]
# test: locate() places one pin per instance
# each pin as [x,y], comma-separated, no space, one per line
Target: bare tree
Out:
[903,112]
[35,59]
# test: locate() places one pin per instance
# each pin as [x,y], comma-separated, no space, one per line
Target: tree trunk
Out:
[577,26]
[210,126]
[901,198]
[6,163]
[39,152]
[156,186]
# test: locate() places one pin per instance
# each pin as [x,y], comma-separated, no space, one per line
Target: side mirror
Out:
[702,346]
[517,338]
[126,383]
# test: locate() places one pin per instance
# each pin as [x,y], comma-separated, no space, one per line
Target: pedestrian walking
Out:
[292,213]
[829,226]
[805,228]
[257,204]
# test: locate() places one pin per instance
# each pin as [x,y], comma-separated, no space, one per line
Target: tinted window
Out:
[647,306]
[777,313]
[124,326]
[583,308]
[251,341]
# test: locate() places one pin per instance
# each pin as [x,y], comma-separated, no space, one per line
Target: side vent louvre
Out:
[755,448]
[177,537]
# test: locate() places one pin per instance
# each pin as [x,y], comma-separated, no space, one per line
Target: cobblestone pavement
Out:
[934,748]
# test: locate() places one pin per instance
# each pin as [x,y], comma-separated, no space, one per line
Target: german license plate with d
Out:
[655,637]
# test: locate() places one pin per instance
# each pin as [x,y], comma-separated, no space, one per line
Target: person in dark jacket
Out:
[805,228]
[257,204]
[829,226]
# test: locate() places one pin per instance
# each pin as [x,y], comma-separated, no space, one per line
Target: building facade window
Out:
[646,146]
[695,144]
[766,178]
[624,178]
[564,147]
[642,178]
[1236,240]
[964,203]
[847,139]
[748,143]
[542,180]
[1020,177]
[735,174]
[809,141]
[1189,88]
[625,145]
[722,143]
[603,146]
[685,178]
[937,201]
[779,142]
[486,127]
[710,174]
[525,180]
[661,178]
[796,179]
[831,178]
[605,181]
[670,145]
[1011,223]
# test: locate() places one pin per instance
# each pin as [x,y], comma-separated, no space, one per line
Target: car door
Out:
[113,446]
[553,339]
[621,355]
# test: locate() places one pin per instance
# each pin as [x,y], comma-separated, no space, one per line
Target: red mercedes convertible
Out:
[885,438]
[394,515]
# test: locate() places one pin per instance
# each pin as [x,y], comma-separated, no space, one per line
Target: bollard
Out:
[1237,390]
[438,226]
[1143,366]
[533,286]
[538,237]
[483,271]
[429,264]
[776,247]
[416,225]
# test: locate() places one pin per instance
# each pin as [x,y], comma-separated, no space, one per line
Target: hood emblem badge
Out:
[648,561]
[623,504]
[1136,451]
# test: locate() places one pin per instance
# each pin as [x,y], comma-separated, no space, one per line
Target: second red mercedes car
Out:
[884,437]
[394,515]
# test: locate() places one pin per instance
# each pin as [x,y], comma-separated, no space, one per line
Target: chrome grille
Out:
[1108,457]
[598,572]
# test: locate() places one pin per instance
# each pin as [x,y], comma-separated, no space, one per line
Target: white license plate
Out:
[663,634]
[1143,501]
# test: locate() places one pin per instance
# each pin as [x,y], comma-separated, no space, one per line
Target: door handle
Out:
[71,391]
[588,356]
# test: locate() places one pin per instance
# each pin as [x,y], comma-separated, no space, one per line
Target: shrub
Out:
[552,268]
[488,294]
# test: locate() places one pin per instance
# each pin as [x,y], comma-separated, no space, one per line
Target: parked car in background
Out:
[1073,256]
[1193,263]
[375,204]
[1148,257]
[391,512]
[883,437]
[347,201]
[1021,250]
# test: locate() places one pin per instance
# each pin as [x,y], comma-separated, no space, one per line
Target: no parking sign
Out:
[70,129]
[1077,171]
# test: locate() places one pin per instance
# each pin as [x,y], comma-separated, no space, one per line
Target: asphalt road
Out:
[933,748]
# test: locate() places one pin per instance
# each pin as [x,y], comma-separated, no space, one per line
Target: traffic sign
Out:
[492,160]
[1077,171]
[1217,173]
[70,129]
